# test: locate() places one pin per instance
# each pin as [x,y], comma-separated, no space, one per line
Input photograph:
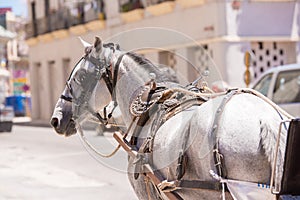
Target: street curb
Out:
[26,121]
[35,124]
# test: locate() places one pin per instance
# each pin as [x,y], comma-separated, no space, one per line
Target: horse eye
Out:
[80,76]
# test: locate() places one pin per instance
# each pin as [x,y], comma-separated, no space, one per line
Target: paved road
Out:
[36,163]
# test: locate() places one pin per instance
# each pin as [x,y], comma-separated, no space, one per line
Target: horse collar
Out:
[146,98]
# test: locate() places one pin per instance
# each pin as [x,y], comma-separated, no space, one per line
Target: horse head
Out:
[78,98]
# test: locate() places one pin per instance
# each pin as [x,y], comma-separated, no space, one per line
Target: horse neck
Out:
[133,73]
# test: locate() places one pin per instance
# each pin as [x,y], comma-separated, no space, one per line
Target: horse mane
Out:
[139,59]
[112,46]
[158,70]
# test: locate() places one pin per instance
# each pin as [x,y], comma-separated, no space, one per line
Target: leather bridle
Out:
[102,70]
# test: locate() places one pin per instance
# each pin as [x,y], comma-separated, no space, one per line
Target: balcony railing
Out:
[63,18]
[129,5]
[147,3]
[57,20]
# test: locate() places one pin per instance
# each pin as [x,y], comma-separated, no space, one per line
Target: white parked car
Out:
[282,85]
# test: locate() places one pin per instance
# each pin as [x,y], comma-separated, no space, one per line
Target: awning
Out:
[6,35]
[4,73]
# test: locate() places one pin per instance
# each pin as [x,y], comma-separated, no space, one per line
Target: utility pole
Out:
[247,61]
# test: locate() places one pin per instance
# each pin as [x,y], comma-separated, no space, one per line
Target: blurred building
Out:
[16,55]
[226,29]
[5,36]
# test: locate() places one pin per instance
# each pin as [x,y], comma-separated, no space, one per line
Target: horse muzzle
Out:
[66,129]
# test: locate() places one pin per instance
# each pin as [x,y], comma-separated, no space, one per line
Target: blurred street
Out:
[36,163]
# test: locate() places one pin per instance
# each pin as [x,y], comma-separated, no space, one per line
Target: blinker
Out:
[85,83]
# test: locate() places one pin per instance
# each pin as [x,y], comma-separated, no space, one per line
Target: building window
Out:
[271,54]
[167,58]
[204,56]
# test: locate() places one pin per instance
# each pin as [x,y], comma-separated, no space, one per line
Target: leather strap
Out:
[196,184]
[69,99]
[107,79]
[115,76]
[213,141]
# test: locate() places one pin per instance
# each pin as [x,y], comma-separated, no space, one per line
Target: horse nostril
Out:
[54,122]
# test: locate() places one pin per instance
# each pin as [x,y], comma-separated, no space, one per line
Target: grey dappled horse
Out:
[246,133]
[62,120]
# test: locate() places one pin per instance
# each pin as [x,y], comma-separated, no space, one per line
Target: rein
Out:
[84,140]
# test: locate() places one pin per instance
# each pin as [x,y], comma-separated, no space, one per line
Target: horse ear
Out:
[98,44]
[84,43]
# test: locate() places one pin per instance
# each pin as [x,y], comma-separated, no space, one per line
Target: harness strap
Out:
[146,179]
[186,104]
[116,70]
[154,176]
[108,82]
[218,157]
[115,76]
[196,184]
[182,158]
[69,99]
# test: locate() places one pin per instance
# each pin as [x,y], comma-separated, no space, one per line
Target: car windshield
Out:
[287,87]
[263,85]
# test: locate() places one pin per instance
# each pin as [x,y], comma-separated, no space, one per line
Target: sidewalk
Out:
[27,121]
